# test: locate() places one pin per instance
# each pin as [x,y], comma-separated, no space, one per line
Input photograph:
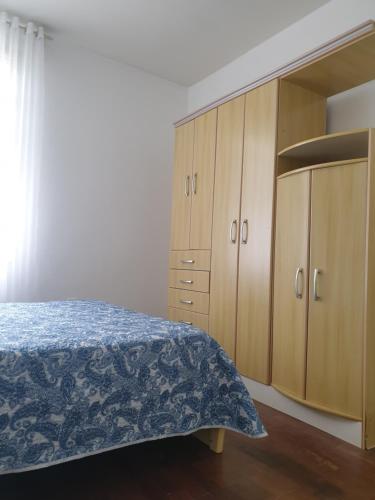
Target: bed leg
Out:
[213,438]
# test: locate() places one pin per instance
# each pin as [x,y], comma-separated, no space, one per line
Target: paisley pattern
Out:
[80,377]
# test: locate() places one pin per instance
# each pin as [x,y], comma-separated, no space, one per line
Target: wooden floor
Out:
[295,462]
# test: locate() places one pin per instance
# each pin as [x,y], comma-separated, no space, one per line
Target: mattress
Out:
[82,377]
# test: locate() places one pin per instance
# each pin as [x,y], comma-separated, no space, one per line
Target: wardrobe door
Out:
[202,185]
[337,277]
[181,199]
[254,278]
[290,284]
[225,231]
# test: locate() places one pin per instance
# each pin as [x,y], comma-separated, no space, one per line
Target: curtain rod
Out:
[24,27]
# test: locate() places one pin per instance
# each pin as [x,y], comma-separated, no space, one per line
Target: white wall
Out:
[106,180]
[325,23]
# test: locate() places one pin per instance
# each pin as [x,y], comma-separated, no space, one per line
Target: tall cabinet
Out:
[323,328]
[193,183]
[192,202]
[249,128]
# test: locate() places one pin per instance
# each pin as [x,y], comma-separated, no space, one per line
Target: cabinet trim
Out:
[315,406]
[323,165]
[346,39]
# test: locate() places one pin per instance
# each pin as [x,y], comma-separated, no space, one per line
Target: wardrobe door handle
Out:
[188,261]
[244,235]
[315,284]
[189,302]
[186,322]
[233,226]
[187,282]
[194,183]
[187,185]
[296,282]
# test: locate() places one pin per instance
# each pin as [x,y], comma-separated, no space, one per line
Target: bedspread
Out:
[80,377]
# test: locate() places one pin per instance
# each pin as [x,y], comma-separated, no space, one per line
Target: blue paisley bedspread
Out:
[81,377]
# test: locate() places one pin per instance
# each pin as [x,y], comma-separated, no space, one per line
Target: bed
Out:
[82,377]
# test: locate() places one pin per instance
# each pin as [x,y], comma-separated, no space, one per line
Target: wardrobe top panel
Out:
[340,70]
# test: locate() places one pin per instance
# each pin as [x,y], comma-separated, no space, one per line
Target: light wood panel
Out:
[182,316]
[340,70]
[315,406]
[223,300]
[199,260]
[181,201]
[331,147]
[331,164]
[198,281]
[369,366]
[254,276]
[203,180]
[188,300]
[213,438]
[302,114]
[336,320]
[290,310]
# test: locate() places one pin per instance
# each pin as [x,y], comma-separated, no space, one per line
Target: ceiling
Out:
[180,40]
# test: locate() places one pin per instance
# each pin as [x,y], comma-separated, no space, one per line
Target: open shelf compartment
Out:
[340,146]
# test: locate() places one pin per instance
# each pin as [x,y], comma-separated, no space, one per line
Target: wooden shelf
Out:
[332,147]
[341,146]
[340,70]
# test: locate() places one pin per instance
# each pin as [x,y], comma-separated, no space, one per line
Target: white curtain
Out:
[21,103]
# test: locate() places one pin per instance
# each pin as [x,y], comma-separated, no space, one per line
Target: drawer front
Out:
[198,260]
[190,301]
[195,319]
[198,281]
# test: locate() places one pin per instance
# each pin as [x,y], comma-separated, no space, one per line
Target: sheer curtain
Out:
[21,102]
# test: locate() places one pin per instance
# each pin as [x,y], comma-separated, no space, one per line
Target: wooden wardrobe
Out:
[223,216]
[273,242]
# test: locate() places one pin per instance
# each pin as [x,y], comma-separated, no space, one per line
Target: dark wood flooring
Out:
[295,462]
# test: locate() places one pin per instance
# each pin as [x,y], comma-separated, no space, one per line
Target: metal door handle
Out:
[186,322]
[233,226]
[194,183]
[187,282]
[244,235]
[190,302]
[188,261]
[296,281]
[187,184]
[315,291]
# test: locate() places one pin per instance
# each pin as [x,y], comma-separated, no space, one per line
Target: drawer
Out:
[198,260]
[190,301]
[195,319]
[190,280]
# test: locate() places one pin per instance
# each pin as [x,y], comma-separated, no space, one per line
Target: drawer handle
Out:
[188,261]
[185,322]
[190,302]
[187,282]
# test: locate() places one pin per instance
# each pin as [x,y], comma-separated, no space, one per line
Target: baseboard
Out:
[344,429]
